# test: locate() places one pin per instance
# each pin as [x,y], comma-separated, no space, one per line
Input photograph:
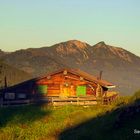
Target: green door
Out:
[81,91]
[42,89]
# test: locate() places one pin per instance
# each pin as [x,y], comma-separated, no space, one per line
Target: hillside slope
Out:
[13,75]
[121,123]
[2,53]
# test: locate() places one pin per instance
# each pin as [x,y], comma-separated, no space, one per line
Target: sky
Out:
[37,23]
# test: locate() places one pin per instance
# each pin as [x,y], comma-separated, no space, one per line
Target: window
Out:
[81,90]
[21,95]
[10,96]
[42,89]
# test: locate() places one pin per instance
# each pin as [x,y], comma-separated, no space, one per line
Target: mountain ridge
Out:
[118,65]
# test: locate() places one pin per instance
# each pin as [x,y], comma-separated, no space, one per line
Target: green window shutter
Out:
[81,90]
[42,89]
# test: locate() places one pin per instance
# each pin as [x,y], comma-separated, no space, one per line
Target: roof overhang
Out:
[110,86]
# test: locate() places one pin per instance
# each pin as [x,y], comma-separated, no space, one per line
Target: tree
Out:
[1,76]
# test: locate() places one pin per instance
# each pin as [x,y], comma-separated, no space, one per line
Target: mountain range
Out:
[119,66]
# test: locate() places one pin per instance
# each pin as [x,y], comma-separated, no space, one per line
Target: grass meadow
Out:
[43,122]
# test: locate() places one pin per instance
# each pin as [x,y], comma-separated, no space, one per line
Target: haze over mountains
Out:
[118,65]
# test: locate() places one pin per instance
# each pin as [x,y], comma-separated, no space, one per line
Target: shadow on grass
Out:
[22,114]
[118,124]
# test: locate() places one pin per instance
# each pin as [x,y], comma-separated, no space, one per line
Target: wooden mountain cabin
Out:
[62,84]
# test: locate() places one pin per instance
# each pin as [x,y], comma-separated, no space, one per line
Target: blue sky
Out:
[37,23]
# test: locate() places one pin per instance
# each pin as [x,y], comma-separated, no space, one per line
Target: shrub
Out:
[135,98]
[121,101]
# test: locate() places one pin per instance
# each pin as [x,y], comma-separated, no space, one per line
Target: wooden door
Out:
[66,91]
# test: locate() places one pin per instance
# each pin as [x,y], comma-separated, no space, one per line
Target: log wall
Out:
[65,85]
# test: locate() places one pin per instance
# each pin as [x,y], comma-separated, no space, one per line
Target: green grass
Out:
[42,122]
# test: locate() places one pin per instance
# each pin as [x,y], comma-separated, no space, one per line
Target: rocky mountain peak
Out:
[102,49]
[71,46]
[77,43]
[101,45]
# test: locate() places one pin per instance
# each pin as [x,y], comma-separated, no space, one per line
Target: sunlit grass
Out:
[43,122]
